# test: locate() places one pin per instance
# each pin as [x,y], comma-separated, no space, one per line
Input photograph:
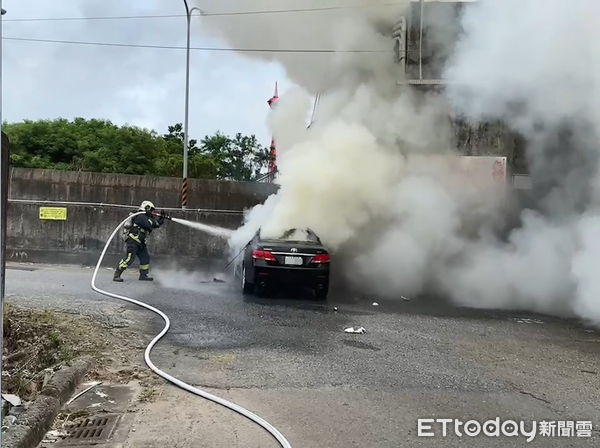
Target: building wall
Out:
[491,139]
[441,29]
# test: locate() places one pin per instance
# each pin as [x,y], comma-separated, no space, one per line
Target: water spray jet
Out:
[213,230]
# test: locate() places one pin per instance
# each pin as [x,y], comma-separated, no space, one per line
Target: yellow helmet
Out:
[146,206]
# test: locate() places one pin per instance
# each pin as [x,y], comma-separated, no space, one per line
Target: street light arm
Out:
[201,12]
[189,11]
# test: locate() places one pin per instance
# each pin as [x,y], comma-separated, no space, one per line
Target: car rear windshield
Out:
[300,235]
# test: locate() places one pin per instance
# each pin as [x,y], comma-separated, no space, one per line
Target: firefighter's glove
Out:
[164,215]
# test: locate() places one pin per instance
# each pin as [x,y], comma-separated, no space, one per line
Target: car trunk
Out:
[293,254]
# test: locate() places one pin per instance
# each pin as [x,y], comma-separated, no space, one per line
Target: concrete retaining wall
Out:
[82,236]
[73,186]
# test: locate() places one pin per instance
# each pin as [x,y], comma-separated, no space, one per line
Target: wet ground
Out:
[289,359]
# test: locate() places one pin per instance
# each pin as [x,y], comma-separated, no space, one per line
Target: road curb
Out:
[37,420]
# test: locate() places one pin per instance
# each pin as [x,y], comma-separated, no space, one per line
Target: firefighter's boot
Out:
[145,277]
[117,276]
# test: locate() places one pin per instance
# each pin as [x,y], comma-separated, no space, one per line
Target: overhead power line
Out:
[174,47]
[208,14]
[66,19]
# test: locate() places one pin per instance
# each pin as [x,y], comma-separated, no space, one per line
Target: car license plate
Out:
[294,261]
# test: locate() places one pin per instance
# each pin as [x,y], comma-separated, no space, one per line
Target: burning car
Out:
[297,258]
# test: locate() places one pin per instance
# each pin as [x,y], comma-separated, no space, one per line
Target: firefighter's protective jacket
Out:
[142,226]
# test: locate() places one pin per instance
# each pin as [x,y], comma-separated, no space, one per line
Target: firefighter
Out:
[139,228]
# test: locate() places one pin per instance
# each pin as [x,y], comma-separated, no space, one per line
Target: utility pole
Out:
[4,167]
[421,40]
[184,186]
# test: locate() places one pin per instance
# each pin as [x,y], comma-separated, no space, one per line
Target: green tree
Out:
[86,145]
[176,135]
[240,158]
[101,146]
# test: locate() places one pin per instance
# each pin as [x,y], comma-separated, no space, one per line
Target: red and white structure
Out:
[272,169]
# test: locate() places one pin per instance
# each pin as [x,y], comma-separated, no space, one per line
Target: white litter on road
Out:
[92,385]
[53,436]
[375,304]
[12,399]
[528,321]
[357,330]
[406,299]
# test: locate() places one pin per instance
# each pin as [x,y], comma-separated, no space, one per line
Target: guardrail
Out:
[102,204]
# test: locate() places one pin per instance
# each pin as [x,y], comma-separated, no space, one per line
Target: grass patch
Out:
[37,343]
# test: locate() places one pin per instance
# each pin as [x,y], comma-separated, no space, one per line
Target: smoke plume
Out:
[547,264]
[379,178]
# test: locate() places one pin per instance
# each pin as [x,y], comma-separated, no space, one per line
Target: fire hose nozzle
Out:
[163,214]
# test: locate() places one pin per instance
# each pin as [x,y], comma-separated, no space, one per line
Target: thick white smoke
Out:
[378,175]
[349,25]
[535,69]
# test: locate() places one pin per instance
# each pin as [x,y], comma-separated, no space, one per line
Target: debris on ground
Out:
[37,343]
[88,387]
[9,420]
[523,320]
[375,304]
[335,308]
[55,436]
[406,299]
[14,400]
[357,330]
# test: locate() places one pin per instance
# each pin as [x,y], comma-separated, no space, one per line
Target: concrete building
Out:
[423,42]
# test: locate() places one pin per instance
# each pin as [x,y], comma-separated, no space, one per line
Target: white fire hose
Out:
[234,407]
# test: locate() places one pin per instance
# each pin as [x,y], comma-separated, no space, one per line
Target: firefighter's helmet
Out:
[147,206]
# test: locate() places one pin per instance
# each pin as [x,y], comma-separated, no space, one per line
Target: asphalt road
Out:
[289,360]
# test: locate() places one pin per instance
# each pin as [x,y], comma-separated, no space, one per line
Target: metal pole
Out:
[421,41]
[4,166]
[184,185]
[186,121]
[4,177]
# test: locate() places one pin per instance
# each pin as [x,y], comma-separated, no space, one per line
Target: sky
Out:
[136,86]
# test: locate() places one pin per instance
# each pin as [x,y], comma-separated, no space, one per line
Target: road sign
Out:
[53,213]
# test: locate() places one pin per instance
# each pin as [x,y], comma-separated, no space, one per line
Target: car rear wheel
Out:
[247,287]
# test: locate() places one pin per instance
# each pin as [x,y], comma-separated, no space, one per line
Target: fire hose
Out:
[201,393]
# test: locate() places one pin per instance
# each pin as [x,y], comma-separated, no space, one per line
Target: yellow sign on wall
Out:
[53,213]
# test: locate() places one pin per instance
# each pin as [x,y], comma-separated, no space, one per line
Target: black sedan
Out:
[297,258]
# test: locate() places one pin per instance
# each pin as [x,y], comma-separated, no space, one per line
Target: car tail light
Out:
[263,255]
[321,258]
